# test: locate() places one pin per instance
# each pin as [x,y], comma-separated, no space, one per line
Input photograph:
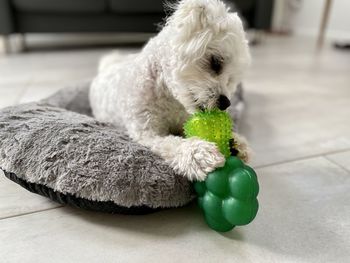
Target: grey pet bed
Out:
[56,149]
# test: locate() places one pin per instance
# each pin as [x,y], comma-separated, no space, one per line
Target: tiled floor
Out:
[297,121]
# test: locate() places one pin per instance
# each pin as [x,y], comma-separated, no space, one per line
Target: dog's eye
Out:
[216,64]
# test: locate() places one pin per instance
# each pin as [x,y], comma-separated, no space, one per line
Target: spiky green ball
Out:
[213,126]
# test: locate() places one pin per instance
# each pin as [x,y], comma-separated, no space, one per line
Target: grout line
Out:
[301,158]
[29,213]
[21,94]
[337,164]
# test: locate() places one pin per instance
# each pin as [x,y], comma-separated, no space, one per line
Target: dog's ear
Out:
[189,24]
[189,17]
[193,26]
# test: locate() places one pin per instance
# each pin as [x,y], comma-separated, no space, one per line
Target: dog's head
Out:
[209,53]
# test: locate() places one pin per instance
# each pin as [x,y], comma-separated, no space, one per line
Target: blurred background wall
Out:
[303,17]
[40,23]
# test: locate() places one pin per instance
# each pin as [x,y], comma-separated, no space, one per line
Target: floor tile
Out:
[10,94]
[36,92]
[297,102]
[304,209]
[342,159]
[61,77]
[297,107]
[15,200]
[304,217]
[61,69]
[18,68]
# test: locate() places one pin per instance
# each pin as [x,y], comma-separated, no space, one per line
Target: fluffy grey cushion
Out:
[75,154]
[54,143]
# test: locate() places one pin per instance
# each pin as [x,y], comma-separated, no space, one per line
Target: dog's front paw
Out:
[241,145]
[197,158]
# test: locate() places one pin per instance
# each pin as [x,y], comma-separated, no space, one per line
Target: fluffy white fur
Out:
[152,93]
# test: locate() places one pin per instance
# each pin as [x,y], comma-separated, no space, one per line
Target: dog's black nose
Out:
[223,102]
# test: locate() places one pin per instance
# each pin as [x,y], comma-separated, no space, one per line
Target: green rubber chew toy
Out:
[228,197]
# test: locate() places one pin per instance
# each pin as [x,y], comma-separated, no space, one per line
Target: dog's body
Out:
[195,62]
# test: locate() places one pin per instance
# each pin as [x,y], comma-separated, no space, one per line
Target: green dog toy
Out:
[228,197]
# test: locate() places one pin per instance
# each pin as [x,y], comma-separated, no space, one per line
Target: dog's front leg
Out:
[191,157]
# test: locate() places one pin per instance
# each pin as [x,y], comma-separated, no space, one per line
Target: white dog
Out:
[194,63]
